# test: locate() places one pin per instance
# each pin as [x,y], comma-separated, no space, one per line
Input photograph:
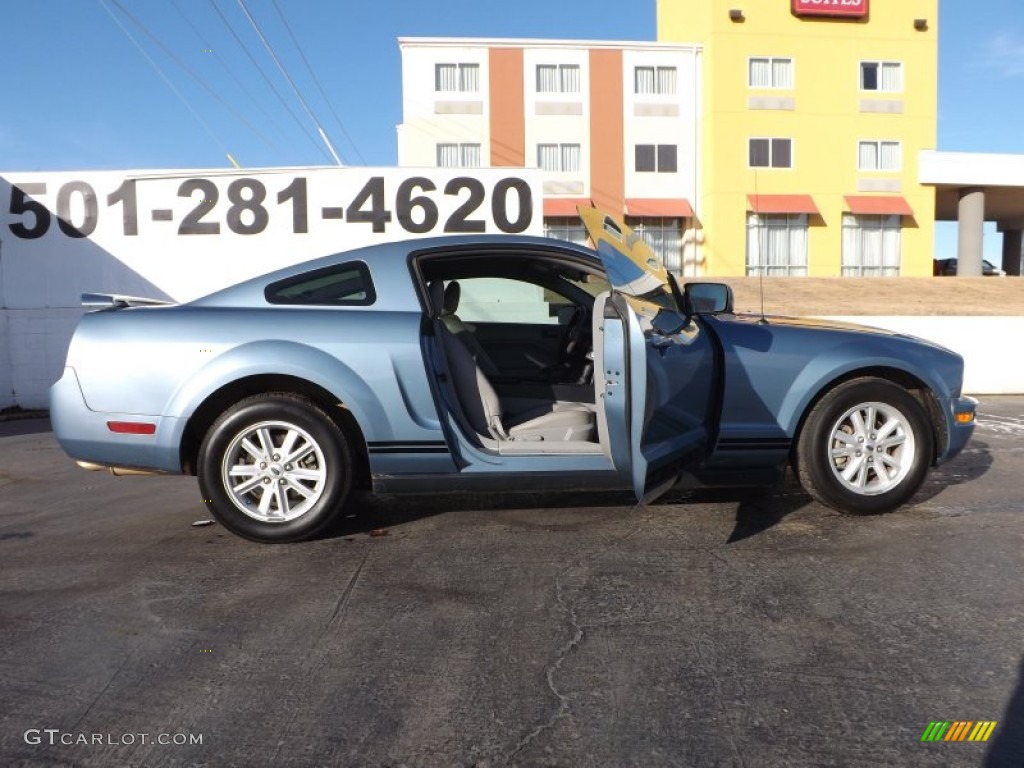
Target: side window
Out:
[336,286]
[501,300]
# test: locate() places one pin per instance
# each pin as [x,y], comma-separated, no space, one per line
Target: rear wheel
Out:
[865,447]
[275,468]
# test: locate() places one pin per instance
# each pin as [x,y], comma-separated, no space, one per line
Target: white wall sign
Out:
[182,234]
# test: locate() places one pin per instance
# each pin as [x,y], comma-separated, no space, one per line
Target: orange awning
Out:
[781,204]
[564,206]
[677,207]
[878,205]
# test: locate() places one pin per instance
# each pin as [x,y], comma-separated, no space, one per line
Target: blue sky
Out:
[78,94]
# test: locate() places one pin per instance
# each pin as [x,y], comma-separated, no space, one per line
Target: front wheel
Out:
[275,468]
[865,447]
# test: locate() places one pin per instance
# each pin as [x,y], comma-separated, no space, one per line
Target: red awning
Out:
[564,206]
[781,204]
[676,207]
[878,205]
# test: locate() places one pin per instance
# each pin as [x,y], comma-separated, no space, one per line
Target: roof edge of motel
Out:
[972,169]
[514,42]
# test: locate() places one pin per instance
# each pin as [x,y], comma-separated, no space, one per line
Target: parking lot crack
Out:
[552,670]
[569,609]
[339,609]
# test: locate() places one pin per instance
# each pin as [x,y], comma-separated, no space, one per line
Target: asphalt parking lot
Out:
[724,629]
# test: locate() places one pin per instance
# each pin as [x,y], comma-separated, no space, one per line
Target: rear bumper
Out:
[959,431]
[84,434]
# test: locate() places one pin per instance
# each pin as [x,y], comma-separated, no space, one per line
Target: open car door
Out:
[667,358]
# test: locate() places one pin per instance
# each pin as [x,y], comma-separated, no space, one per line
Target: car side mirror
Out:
[709,298]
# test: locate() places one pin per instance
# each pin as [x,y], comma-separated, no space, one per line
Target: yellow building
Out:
[814,113]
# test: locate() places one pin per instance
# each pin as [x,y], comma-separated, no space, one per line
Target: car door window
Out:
[502,300]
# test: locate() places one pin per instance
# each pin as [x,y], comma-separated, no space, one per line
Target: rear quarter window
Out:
[343,285]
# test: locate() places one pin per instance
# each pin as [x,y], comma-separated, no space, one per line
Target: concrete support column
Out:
[1012,241]
[970,226]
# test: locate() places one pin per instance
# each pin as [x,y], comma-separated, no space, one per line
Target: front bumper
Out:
[960,419]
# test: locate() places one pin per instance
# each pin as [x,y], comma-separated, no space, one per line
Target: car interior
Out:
[514,352]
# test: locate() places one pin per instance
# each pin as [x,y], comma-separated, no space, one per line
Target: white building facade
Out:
[613,124]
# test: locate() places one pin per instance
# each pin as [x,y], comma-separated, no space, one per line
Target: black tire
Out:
[301,497]
[840,462]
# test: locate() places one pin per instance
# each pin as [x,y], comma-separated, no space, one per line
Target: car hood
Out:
[814,322]
[827,325]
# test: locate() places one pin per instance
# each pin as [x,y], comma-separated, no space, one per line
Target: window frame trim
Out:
[656,94]
[880,62]
[878,143]
[286,282]
[771,154]
[558,69]
[458,75]
[560,146]
[771,59]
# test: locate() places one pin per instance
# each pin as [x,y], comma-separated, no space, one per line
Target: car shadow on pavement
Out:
[757,509]
[369,513]
[969,466]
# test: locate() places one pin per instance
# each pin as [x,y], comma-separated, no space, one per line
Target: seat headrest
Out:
[452,294]
[437,296]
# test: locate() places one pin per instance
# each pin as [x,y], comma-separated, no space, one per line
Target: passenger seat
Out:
[559,421]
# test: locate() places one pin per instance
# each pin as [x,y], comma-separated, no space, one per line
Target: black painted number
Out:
[20,204]
[499,205]
[64,209]
[253,203]
[405,204]
[459,221]
[126,194]
[193,223]
[296,192]
[372,193]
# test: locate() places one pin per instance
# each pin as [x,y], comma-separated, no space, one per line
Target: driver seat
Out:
[558,421]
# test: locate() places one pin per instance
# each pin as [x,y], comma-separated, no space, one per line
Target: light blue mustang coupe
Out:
[496,362]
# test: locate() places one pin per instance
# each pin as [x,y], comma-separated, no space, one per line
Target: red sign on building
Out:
[856,8]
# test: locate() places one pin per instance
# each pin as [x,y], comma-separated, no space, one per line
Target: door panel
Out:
[670,361]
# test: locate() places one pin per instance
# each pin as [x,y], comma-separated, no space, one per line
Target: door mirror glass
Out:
[709,298]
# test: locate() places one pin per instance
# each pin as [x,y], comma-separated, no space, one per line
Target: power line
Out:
[318,85]
[238,82]
[267,80]
[167,80]
[298,95]
[190,73]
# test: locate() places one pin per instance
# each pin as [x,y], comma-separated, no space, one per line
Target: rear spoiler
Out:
[117,301]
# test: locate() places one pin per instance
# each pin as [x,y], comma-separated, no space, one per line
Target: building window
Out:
[777,245]
[458,155]
[655,80]
[767,72]
[568,228]
[879,156]
[656,158]
[871,245]
[559,157]
[881,76]
[770,153]
[558,78]
[664,236]
[457,77]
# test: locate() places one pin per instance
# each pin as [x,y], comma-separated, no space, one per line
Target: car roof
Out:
[382,258]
